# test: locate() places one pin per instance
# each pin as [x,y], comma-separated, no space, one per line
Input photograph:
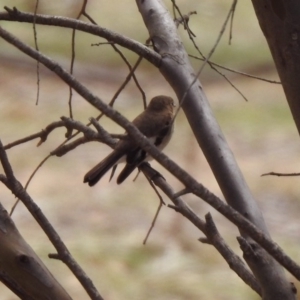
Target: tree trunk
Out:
[280,22]
[181,76]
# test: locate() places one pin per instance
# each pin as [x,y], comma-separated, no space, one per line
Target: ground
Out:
[104,226]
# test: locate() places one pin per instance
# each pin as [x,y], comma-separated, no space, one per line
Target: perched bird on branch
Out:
[156,123]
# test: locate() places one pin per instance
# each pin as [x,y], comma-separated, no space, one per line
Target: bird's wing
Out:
[159,133]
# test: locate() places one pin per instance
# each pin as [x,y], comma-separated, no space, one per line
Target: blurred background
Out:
[104,226]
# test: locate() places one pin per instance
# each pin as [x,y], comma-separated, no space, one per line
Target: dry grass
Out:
[104,226]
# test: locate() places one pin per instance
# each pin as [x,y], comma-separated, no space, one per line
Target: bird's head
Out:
[160,103]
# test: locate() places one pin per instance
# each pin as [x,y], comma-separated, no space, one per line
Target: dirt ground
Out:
[104,226]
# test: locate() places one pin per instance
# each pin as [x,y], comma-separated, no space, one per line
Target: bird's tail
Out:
[96,173]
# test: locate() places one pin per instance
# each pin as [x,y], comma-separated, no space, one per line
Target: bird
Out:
[156,123]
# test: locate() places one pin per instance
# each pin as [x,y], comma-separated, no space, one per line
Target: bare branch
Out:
[280,174]
[235,71]
[37,49]
[195,187]
[153,222]
[138,48]
[18,190]
[233,260]
[208,228]
[181,76]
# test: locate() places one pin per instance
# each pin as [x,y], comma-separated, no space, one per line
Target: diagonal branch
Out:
[178,71]
[194,186]
[208,227]
[17,189]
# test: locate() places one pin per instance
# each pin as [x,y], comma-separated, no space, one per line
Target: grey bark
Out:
[178,72]
[180,75]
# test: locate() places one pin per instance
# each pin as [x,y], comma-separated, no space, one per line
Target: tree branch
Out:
[17,189]
[21,269]
[194,186]
[208,227]
[138,48]
[181,76]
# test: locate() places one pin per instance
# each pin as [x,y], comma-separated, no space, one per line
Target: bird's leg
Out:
[113,170]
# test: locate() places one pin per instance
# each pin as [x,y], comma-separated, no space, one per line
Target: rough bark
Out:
[280,22]
[21,269]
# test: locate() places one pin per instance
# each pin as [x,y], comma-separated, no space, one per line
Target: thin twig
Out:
[73,57]
[231,22]
[17,189]
[206,59]
[37,49]
[196,188]
[28,181]
[208,227]
[235,71]
[89,135]
[161,203]
[211,52]
[131,70]
[153,223]
[23,140]
[280,174]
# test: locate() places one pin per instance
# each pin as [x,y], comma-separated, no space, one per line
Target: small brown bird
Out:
[156,123]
